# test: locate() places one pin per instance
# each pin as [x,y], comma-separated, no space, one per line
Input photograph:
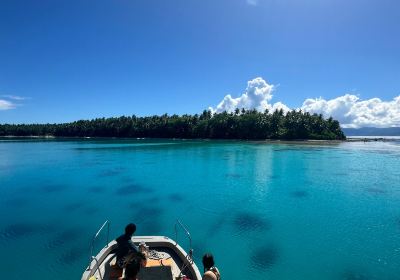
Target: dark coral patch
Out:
[73,206]
[53,188]
[340,174]
[264,257]
[274,177]
[154,199]
[96,189]
[217,226]
[91,210]
[111,172]
[146,215]
[299,194]
[307,182]
[126,179]
[250,222]
[352,275]
[133,205]
[54,244]
[63,238]
[376,190]
[357,170]
[19,230]
[138,204]
[88,163]
[72,256]
[176,197]
[153,227]
[132,189]
[149,211]
[233,175]
[148,219]
[17,202]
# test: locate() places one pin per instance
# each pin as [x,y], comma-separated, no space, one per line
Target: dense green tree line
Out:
[240,124]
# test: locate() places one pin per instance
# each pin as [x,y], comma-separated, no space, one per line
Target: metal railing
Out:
[98,267]
[179,223]
[92,257]
[189,256]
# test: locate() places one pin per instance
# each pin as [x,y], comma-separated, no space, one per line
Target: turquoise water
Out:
[266,211]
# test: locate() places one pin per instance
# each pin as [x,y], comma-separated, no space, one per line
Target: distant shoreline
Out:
[372,138]
[241,124]
[304,141]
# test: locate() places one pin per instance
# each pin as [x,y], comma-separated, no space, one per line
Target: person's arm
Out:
[133,246]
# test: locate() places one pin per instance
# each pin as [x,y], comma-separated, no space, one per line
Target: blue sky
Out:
[70,60]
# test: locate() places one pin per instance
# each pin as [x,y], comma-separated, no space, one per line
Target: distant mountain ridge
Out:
[372,131]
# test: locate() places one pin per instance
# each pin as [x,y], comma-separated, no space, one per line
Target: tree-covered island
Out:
[241,124]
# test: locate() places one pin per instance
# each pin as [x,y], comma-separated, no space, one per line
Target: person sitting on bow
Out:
[211,272]
[126,249]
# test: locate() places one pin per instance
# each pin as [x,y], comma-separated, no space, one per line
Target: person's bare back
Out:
[209,275]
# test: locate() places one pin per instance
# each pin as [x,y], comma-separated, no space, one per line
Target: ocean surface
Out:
[265,210]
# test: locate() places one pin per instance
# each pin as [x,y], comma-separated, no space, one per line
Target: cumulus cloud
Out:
[348,109]
[256,96]
[6,105]
[351,111]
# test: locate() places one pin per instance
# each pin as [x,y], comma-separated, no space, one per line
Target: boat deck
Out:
[164,262]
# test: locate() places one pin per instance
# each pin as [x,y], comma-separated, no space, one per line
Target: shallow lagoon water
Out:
[266,210]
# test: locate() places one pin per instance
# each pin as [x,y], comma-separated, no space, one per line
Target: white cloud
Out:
[351,111]
[8,101]
[256,96]
[14,97]
[348,109]
[252,2]
[6,105]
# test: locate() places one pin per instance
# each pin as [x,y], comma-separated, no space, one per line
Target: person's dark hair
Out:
[208,261]
[132,269]
[130,229]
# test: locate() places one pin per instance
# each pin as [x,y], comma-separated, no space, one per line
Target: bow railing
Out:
[92,257]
